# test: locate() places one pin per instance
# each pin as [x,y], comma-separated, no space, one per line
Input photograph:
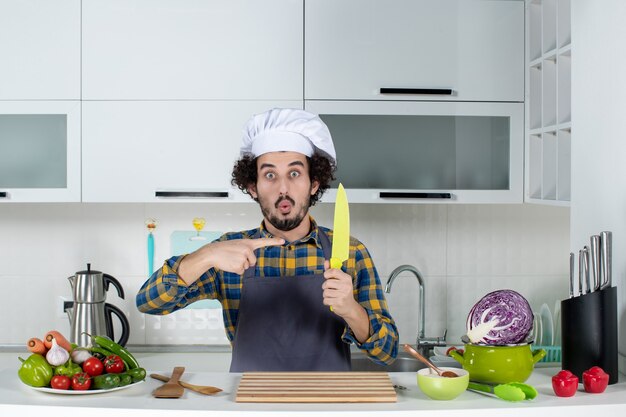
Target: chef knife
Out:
[571,274]
[341,230]
[595,261]
[606,247]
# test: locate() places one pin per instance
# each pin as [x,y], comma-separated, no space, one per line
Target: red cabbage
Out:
[502,317]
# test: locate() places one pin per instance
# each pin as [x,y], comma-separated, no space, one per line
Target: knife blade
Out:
[581,270]
[606,247]
[571,274]
[587,280]
[341,230]
[595,261]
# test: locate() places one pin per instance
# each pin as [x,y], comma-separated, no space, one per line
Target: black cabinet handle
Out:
[191,194]
[391,194]
[414,91]
[3,194]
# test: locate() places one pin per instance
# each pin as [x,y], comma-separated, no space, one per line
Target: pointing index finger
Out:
[266,241]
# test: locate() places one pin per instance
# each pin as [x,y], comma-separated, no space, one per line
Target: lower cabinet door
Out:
[156,151]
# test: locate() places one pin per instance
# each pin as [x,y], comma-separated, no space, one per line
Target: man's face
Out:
[283,188]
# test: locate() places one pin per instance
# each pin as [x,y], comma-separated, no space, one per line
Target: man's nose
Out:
[283,186]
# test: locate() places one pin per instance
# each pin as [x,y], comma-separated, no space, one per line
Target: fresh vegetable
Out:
[565,383]
[100,353]
[68,369]
[57,355]
[502,317]
[106,381]
[80,355]
[35,371]
[125,379]
[36,345]
[595,380]
[61,340]
[137,374]
[93,366]
[116,349]
[113,364]
[81,381]
[60,382]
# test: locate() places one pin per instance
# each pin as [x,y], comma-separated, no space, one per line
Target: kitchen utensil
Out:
[606,257]
[202,389]
[498,364]
[589,333]
[316,387]
[547,325]
[571,274]
[341,230]
[581,271]
[151,225]
[537,333]
[587,267]
[438,388]
[595,261]
[89,313]
[171,389]
[418,356]
[512,391]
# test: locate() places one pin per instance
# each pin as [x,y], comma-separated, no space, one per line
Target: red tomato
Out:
[565,384]
[93,366]
[113,364]
[81,381]
[595,380]
[60,382]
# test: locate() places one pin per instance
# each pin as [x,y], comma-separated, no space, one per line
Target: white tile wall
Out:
[463,251]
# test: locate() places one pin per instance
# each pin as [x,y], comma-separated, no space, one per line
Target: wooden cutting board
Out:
[315,387]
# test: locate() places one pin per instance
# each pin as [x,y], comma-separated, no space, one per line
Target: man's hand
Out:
[338,291]
[234,256]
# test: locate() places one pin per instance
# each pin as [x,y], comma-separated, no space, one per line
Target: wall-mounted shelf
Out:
[548,102]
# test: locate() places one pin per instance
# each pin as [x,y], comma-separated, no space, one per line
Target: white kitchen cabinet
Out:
[192,49]
[39,151]
[39,49]
[355,48]
[426,152]
[155,151]
[548,104]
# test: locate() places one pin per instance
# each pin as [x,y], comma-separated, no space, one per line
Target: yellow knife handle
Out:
[335,263]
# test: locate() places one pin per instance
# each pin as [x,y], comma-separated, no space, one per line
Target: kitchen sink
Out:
[403,363]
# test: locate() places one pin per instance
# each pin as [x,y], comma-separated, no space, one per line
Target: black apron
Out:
[283,325]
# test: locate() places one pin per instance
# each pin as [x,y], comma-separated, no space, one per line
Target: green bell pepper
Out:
[106,381]
[35,371]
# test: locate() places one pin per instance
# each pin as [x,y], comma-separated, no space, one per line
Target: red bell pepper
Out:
[595,380]
[565,383]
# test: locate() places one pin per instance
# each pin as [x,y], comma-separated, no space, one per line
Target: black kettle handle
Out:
[109,310]
[108,279]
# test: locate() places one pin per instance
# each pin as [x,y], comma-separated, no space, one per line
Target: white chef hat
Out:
[287,130]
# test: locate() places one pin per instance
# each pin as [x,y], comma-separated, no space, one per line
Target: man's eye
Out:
[294,174]
[269,175]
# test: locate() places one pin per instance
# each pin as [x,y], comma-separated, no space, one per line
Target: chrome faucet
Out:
[423,344]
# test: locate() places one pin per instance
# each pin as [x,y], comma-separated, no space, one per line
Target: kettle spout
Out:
[72,281]
[68,307]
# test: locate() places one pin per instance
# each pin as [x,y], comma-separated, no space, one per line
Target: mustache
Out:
[285,197]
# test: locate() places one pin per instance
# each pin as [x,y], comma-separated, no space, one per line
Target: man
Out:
[284,309]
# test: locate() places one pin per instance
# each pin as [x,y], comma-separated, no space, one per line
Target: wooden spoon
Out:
[418,356]
[202,389]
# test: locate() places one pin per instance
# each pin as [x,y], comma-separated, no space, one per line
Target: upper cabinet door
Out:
[39,49]
[192,49]
[355,48]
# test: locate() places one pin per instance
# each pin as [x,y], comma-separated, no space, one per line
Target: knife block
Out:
[589,333]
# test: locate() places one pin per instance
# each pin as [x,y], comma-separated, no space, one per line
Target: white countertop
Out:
[17,398]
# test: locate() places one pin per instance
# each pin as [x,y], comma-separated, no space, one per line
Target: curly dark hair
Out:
[321,169]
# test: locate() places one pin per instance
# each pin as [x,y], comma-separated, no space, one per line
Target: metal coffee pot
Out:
[89,313]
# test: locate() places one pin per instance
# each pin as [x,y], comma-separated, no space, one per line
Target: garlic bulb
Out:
[57,355]
[80,355]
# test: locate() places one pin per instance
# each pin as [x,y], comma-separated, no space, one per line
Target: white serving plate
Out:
[86,392]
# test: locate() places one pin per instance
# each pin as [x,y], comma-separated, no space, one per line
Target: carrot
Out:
[61,340]
[36,345]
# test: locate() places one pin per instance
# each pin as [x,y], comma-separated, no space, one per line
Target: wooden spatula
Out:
[202,389]
[171,389]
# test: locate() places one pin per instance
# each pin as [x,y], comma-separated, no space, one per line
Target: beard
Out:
[280,222]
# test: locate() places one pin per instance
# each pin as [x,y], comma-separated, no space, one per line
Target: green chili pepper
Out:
[35,371]
[106,381]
